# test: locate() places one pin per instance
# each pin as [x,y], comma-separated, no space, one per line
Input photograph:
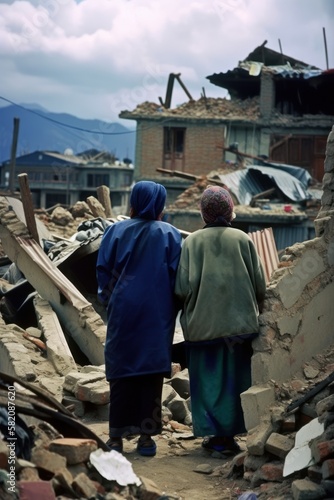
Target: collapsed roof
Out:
[308,86]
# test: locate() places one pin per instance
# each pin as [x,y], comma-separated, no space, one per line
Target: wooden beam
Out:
[28,206]
[191,177]
[13,154]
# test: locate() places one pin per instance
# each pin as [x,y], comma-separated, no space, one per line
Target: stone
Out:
[75,450]
[311,372]
[149,490]
[203,469]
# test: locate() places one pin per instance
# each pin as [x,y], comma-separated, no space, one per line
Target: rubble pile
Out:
[205,107]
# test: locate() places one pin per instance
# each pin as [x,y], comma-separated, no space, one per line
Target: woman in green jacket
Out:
[220,284]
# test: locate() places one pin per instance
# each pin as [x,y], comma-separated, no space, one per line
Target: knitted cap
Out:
[216,205]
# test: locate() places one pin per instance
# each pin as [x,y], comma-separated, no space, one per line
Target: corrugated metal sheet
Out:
[246,183]
[266,247]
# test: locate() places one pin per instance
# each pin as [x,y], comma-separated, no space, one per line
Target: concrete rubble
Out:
[62,355]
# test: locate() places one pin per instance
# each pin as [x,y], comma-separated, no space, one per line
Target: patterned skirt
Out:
[219,372]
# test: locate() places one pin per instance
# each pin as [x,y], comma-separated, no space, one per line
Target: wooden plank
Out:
[28,206]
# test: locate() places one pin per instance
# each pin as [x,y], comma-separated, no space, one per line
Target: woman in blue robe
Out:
[136,269]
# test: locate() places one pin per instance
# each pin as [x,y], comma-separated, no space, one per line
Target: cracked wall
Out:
[298,315]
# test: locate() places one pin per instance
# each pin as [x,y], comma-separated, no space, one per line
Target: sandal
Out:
[221,445]
[146,446]
[116,444]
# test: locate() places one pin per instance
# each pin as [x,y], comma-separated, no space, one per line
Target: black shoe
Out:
[115,443]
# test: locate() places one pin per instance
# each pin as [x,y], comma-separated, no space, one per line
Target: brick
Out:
[279,445]
[304,489]
[328,469]
[38,489]
[75,450]
[314,472]
[272,471]
[322,450]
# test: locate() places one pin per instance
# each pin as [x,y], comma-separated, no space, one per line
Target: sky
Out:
[96,58]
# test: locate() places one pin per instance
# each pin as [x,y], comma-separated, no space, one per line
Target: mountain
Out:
[42,130]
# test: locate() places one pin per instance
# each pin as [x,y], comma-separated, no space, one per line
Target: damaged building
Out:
[279,108]
[62,353]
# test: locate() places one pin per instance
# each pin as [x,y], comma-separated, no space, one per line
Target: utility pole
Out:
[13,155]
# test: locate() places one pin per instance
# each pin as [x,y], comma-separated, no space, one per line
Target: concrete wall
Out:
[298,317]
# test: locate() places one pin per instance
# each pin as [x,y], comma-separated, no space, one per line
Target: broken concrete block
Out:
[180,382]
[168,393]
[15,359]
[46,460]
[75,450]
[93,368]
[257,439]
[58,351]
[72,378]
[179,408]
[255,403]
[53,385]
[304,489]
[95,392]
[279,445]
[84,486]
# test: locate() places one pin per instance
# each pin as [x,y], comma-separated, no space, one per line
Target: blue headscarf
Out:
[148,199]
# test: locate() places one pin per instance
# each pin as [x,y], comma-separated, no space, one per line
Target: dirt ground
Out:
[173,469]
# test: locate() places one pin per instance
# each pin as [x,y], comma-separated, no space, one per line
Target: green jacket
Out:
[219,283]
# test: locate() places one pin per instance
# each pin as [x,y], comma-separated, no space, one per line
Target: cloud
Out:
[94,59]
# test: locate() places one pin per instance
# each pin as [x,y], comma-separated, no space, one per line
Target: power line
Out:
[65,124]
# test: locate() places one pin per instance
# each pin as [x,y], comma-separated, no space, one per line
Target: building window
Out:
[96,180]
[174,148]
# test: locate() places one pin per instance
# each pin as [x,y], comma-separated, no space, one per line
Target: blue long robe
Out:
[136,269]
